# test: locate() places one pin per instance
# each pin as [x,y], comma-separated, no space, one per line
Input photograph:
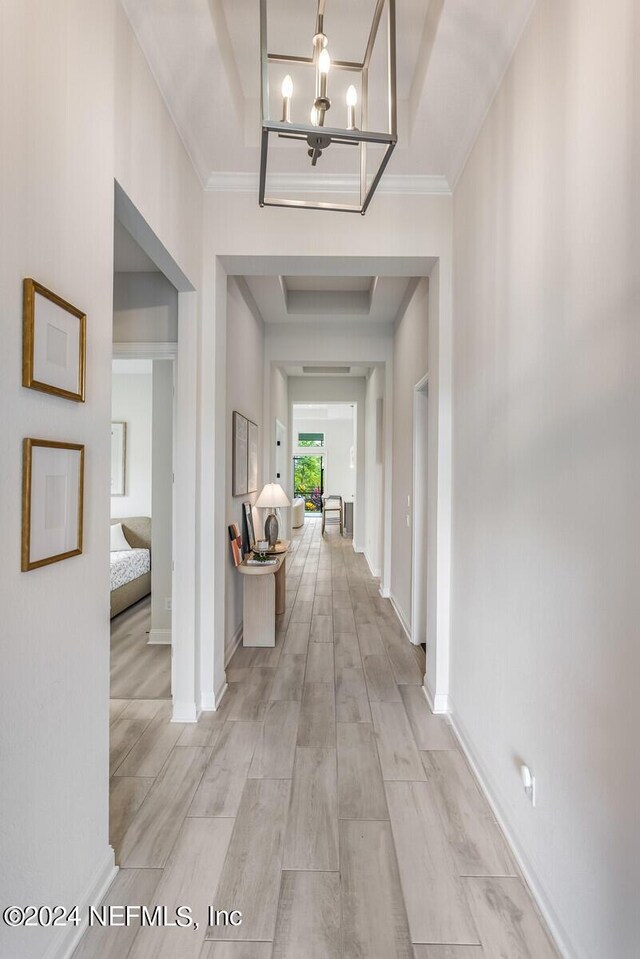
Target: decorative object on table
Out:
[236,544]
[118,458]
[305,119]
[261,560]
[247,510]
[240,458]
[52,501]
[54,335]
[272,497]
[262,545]
[252,458]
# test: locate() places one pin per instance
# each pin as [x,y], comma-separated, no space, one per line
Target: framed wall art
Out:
[252,454]
[52,502]
[248,518]
[118,459]
[54,335]
[240,448]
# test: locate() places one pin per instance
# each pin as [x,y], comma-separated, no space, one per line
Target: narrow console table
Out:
[265,591]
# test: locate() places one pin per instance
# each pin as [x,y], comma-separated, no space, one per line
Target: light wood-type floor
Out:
[138,671]
[323,800]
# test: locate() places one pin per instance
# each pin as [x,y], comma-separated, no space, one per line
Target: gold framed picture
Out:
[54,343]
[52,501]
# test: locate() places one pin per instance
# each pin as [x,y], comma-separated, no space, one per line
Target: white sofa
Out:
[297,512]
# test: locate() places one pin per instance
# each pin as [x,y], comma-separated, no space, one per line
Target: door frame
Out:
[419,541]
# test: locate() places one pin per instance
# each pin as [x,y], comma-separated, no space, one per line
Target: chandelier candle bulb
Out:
[352,99]
[324,65]
[287,93]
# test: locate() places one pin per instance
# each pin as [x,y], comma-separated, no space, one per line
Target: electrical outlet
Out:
[167,603]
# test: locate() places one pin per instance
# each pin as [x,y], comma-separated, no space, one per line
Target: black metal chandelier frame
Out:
[319,137]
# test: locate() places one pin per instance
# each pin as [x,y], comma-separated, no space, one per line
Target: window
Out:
[311,439]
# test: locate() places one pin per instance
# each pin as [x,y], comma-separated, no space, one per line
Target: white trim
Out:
[144,351]
[419,549]
[401,616]
[280,183]
[438,704]
[384,592]
[210,704]
[159,637]
[184,713]
[557,933]
[374,572]
[236,639]
[64,945]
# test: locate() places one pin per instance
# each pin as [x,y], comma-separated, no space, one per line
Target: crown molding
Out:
[144,351]
[281,183]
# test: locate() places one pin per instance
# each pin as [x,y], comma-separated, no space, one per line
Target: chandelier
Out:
[320,130]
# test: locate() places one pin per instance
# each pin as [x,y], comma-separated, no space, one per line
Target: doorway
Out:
[420,526]
[308,481]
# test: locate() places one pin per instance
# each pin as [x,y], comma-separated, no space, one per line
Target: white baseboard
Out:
[374,572]
[64,941]
[401,616]
[159,637]
[438,702]
[184,713]
[236,639]
[528,874]
[385,592]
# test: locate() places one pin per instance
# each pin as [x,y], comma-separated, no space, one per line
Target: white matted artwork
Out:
[240,447]
[118,459]
[54,343]
[52,502]
[252,458]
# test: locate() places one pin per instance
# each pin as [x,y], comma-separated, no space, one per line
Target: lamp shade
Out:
[272,496]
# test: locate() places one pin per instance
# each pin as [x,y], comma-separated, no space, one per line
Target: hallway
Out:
[323,800]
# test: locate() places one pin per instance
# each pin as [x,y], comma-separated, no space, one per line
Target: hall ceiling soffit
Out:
[204,55]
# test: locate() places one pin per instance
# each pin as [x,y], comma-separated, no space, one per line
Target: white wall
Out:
[58,69]
[279,383]
[132,403]
[374,470]
[245,372]
[145,308]
[339,441]
[546,604]
[162,499]
[410,365]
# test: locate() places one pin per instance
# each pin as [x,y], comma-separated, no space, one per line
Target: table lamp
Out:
[272,497]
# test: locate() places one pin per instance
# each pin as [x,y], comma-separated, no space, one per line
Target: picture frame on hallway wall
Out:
[54,343]
[240,454]
[52,502]
[252,458]
[248,518]
[118,459]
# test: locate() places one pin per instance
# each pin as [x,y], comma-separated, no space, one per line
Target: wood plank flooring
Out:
[138,671]
[323,799]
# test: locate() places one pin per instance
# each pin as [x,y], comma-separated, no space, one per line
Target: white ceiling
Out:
[204,54]
[370,299]
[310,369]
[323,411]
